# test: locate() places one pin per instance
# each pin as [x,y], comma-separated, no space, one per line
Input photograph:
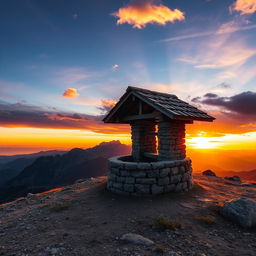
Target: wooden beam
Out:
[142,116]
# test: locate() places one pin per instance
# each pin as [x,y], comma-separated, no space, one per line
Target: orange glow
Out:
[70,93]
[141,13]
[245,6]
[28,140]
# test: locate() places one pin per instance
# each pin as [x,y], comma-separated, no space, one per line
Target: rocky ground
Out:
[85,219]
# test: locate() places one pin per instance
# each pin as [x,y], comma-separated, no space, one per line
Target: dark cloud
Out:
[22,115]
[224,85]
[243,103]
[211,95]
[106,106]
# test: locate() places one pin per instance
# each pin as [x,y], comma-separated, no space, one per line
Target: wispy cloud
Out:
[223,29]
[244,6]
[72,76]
[140,13]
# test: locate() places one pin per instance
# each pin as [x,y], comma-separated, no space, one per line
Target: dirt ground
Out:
[85,219]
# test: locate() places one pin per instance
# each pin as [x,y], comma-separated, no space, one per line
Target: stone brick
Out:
[112,176]
[157,165]
[115,170]
[164,172]
[153,173]
[174,170]
[117,185]
[142,189]
[186,176]
[130,166]
[120,192]
[175,179]
[124,173]
[120,179]
[169,188]
[184,185]
[182,169]
[144,166]
[178,187]
[163,181]
[130,180]
[146,180]
[156,190]
[138,174]
[128,187]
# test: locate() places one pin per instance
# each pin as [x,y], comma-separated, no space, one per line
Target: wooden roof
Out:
[138,103]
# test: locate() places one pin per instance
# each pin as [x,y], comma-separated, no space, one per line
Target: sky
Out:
[64,64]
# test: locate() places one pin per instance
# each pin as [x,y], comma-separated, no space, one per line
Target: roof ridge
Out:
[133,88]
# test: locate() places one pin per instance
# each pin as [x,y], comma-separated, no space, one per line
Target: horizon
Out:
[63,67]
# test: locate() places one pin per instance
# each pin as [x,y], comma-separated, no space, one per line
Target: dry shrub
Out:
[159,249]
[163,223]
[206,219]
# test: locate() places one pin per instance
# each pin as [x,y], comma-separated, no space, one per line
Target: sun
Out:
[203,142]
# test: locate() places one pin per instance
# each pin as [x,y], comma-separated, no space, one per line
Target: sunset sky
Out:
[63,64]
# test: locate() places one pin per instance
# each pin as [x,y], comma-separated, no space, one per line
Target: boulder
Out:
[136,239]
[233,178]
[209,173]
[241,212]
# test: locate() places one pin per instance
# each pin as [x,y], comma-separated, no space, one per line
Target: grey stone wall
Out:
[135,179]
[143,138]
[171,137]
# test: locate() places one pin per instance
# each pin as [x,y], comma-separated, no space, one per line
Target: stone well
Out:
[158,162]
[148,178]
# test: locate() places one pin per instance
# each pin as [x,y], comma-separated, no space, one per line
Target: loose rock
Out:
[241,211]
[209,173]
[136,239]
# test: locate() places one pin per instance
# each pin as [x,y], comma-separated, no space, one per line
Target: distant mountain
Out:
[50,171]
[11,166]
[7,159]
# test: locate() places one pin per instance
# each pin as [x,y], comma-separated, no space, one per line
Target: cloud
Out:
[227,28]
[220,52]
[23,115]
[210,95]
[140,13]
[115,67]
[244,6]
[72,76]
[243,103]
[106,105]
[70,93]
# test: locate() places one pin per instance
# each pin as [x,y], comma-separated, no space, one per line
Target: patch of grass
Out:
[159,249]
[163,223]
[58,207]
[206,219]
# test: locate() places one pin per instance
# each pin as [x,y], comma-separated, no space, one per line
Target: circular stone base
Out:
[142,178]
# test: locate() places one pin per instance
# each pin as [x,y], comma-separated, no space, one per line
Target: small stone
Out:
[136,239]
[209,173]
[234,178]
